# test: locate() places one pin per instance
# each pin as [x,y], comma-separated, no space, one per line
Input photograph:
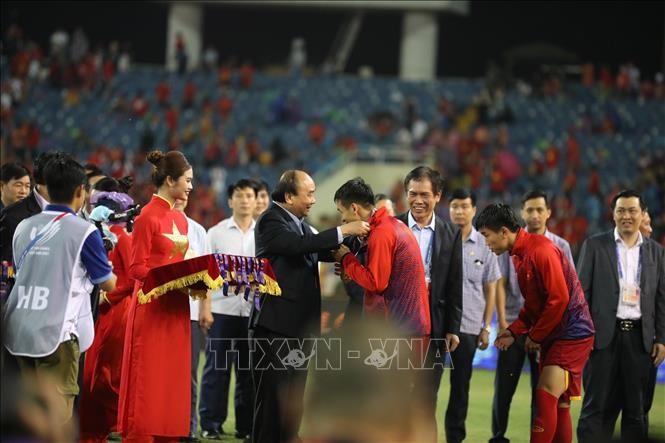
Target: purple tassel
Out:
[243,274]
[245,271]
[224,272]
[238,270]
[260,276]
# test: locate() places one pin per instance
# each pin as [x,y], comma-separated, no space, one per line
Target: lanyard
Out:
[639,265]
[427,262]
[428,254]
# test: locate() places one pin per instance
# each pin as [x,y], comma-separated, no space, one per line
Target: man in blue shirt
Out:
[480,273]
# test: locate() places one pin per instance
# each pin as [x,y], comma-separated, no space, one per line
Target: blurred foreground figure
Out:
[361,390]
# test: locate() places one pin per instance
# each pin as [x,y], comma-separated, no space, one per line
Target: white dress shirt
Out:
[41,201]
[425,237]
[196,235]
[227,238]
[629,259]
[299,222]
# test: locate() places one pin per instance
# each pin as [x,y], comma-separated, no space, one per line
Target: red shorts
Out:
[571,355]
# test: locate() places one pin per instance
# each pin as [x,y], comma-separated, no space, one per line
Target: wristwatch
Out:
[486,328]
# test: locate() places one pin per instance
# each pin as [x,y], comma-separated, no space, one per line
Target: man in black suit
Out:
[623,277]
[280,323]
[33,204]
[15,183]
[441,250]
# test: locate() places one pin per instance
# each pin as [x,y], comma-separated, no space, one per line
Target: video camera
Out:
[127,216]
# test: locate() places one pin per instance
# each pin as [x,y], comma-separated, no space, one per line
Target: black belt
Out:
[628,325]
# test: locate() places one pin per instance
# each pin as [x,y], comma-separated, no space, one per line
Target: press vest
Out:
[50,281]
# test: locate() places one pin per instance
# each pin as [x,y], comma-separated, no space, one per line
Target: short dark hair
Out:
[40,164]
[379,197]
[13,171]
[110,184]
[463,194]
[242,184]
[63,175]
[496,216]
[355,191]
[92,170]
[287,184]
[261,185]
[627,193]
[425,172]
[537,193]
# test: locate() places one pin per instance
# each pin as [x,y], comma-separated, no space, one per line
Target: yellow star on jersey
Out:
[180,243]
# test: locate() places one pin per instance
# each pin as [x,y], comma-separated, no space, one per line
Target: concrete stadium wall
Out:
[187,19]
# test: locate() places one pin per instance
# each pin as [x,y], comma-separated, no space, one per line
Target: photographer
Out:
[101,371]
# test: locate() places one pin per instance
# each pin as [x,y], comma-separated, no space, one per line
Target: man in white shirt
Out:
[198,245]
[621,274]
[262,198]
[227,338]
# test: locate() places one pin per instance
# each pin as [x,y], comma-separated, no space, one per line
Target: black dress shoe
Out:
[191,439]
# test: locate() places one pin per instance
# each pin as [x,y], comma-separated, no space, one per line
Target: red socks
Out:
[544,425]
[564,426]
[552,424]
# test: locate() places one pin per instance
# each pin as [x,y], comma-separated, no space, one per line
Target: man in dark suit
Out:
[15,183]
[279,324]
[441,250]
[33,204]
[623,277]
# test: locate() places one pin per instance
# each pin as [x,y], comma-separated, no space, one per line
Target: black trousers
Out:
[506,377]
[460,379]
[227,345]
[437,360]
[279,386]
[616,378]
[612,414]
[651,390]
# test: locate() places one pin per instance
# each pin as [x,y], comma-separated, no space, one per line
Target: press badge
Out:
[630,293]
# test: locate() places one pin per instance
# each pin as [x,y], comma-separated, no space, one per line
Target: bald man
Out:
[279,324]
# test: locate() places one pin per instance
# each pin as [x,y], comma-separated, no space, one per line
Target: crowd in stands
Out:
[474,140]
